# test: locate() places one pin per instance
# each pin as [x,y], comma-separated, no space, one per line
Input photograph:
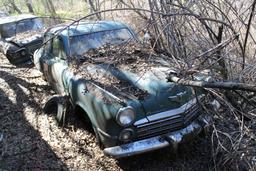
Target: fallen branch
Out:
[221,85]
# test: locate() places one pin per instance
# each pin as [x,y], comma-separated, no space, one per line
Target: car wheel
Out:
[58,105]
[62,109]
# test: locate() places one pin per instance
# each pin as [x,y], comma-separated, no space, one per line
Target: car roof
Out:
[11,19]
[86,27]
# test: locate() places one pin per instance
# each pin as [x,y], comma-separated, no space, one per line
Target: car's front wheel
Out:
[59,105]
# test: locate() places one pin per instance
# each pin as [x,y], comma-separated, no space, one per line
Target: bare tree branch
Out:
[220,85]
[248,31]
[15,7]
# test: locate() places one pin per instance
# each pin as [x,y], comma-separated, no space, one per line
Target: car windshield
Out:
[81,44]
[11,29]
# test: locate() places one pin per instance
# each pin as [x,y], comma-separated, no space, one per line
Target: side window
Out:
[24,25]
[8,30]
[58,48]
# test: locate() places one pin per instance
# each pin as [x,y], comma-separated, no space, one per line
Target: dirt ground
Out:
[31,140]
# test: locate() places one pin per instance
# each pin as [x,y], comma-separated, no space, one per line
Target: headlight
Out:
[125,116]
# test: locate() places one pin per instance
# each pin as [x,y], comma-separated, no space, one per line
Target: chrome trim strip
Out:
[168,113]
[141,121]
[160,121]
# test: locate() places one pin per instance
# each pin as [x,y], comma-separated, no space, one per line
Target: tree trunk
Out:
[248,31]
[29,5]
[49,7]
[15,8]
[224,71]
[93,8]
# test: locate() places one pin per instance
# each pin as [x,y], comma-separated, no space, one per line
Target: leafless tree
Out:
[13,6]
[29,5]
[94,6]
[48,4]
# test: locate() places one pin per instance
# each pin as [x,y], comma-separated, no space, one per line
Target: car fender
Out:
[100,106]
[36,59]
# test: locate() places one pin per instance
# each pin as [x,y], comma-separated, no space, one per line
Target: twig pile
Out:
[105,65]
[25,35]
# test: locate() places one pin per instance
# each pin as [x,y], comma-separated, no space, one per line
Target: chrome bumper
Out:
[154,143]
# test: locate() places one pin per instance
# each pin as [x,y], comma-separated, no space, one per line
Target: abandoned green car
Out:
[124,96]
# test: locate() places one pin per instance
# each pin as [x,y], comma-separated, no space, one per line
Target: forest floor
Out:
[31,140]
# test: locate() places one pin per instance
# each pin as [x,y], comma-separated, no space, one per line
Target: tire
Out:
[59,105]
[51,105]
[62,109]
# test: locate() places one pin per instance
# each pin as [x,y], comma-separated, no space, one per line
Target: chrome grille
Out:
[166,125]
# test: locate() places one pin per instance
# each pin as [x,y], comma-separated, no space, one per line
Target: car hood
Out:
[21,40]
[147,91]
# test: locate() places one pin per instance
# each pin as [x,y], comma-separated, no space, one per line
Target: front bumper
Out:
[172,139]
[16,57]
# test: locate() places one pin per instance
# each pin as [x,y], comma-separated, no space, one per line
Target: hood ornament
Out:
[178,97]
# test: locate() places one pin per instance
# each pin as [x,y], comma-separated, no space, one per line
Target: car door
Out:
[55,64]
[43,56]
